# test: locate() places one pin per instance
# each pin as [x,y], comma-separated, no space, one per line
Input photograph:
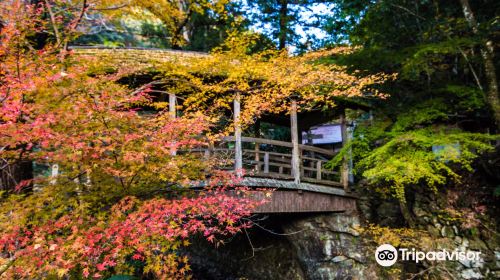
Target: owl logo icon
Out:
[386,255]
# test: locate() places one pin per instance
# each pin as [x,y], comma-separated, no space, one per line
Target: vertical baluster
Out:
[302,171]
[266,162]
[280,169]
[318,170]
[206,156]
[257,146]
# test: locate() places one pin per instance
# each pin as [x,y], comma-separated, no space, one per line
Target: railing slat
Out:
[318,170]
[281,144]
[266,162]
[278,165]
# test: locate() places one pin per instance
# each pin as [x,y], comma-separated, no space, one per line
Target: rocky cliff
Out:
[338,246]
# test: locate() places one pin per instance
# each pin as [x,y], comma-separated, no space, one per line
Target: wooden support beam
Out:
[257,145]
[318,170]
[295,142]
[54,172]
[172,100]
[266,162]
[238,154]
[173,113]
[344,172]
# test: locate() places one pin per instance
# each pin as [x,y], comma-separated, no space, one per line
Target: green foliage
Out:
[412,144]
[410,158]
[467,99]
[282,20]
[431,57]
[422,114]
[397,155]
[128,32]
[496,192]
[432,125]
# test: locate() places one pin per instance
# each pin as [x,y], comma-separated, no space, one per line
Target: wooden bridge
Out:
[296,172]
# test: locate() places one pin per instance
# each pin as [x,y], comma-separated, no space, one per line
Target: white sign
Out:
[323,134]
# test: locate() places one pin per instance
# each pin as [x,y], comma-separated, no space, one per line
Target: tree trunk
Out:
[180,36]
[406,214]
[14,173]
[489,65]
[283,23]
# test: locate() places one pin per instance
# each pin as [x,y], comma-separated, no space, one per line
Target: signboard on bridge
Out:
[323,134]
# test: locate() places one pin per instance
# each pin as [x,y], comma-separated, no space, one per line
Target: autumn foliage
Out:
[149,232]
[106,212]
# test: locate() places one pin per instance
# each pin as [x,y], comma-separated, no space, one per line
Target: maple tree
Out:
[100,216]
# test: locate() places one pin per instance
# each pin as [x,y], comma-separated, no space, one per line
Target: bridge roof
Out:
[148,58]
[121,56]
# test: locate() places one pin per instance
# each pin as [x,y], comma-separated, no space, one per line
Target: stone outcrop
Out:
[330,246]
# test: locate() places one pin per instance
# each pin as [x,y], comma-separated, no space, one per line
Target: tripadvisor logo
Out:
[387,255]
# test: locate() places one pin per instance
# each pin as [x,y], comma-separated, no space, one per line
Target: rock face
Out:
[327,246]
[256,254]
[319,246]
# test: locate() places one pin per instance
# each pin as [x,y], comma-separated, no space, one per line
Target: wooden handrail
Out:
[272,164]
[282,144]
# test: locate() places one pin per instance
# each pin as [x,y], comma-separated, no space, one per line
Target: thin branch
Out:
[471,68]
[251,245]
[423,272]
[408,11]
[272,232]
[53,21]
[110,8]
[6,266]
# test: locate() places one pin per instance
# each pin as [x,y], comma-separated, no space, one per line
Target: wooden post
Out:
[257,146]
[238,155]
[173,113]
[318,170]
[54,173]
[344,172]
[295,142]
[171,105]
[206,157]
[266,162]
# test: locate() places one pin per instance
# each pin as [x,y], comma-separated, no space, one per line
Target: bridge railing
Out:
[273,159]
